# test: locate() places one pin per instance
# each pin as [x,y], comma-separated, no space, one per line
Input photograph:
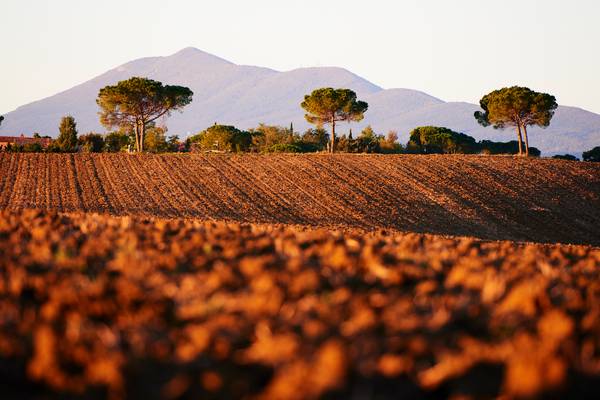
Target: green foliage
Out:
[517,107]
[568,157]
[221,138]
[116,141]
[33,148]
[592,155]
[266,136]
[285,148]
[369,142]
[368,133]
[155,140]
[91,143]
[389,144]
[512,147]
[134,103]
[20,148]
[315,139]
[174,144]
[13,148]
[344,144]
[67,138]
[440,140]
[366,142]
[307,147]
[328,106]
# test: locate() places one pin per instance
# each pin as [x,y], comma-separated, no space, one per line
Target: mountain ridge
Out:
[246,95]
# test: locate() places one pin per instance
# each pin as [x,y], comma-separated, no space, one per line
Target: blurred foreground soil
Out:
[93,306]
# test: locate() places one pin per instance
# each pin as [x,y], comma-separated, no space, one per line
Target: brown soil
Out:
[504,198]
[96,306]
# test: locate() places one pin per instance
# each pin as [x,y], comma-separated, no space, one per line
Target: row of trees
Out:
[68,141]
[275,139]
[516,106]
[272,139]
[135,104]
[423,140]
[155,141]
[439,140]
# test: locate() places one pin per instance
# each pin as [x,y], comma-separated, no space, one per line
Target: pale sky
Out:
[456,50]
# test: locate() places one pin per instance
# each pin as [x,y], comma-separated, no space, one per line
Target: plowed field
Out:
[95,306]
[485,197]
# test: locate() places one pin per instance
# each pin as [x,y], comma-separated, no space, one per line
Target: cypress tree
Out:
[67,139]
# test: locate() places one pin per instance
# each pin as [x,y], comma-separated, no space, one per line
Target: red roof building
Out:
[23,140]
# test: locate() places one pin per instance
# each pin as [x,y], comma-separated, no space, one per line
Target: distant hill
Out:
[245,96]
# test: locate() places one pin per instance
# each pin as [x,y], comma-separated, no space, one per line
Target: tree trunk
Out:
[332,148]
[137,136]
[526,141]
[142,135]
[520,139]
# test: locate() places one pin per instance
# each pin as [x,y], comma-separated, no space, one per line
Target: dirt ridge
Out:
[497,198]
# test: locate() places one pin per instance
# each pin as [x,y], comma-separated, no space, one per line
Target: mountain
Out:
[245,96]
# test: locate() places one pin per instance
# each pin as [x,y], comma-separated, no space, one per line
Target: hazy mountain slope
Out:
[274,98]
[246,95]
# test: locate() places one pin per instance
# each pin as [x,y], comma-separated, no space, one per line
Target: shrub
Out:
[511,147]
[308,147]
[266,136]
[367,142]
[32,148]
[116,141]
[155,140]
[285,148]
[224,138]
[174,144]
[315,138]
[91,143]
[13,148]
[440,140]
[67,139]
[568,157]
[389,144]
[592,155]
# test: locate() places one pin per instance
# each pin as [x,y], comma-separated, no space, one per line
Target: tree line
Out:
[133,106]
[278,139]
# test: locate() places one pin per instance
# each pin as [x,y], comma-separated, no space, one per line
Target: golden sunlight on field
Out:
[125,306]
[498,198]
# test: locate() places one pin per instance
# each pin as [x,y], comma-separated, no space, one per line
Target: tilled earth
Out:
[96,306]
[489,197]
